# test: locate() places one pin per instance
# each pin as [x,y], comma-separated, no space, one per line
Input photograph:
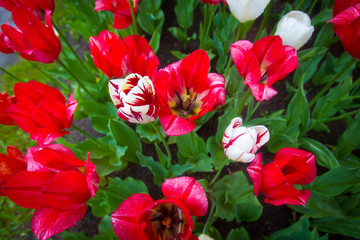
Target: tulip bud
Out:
[241,143]
[295,29]
[134,97]
[246,10]
[205,237]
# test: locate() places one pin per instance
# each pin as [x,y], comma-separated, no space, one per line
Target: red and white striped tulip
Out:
[134,97]
[241,143]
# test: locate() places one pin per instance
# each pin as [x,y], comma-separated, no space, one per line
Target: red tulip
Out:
[5,103]
[186,91]
[33,39]
[56,184]
[263,63]
[41,111]
[10,164]
[120,9]
[4,47]
[35,6]
[346,22]
[141,218]
[276,179]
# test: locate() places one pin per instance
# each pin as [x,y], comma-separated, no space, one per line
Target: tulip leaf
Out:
[249,210]
[350,139]
[343,226]
[298,231]
[118,190]
[67,235]
[148,134]
[159,172]
[336,181]
[238,234]
[124,136]
[106,230]
[184,11]
[324,157]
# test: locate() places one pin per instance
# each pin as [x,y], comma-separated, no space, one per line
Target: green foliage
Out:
[238,234]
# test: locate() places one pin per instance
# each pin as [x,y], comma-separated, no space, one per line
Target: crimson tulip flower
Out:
[120,9]
[5,102]
[41,111]
[35,6]
[263,63]
[10,164]
[33,39]
[56,184]
[141,218]
[276,179]
[4,47]
[187,91]
[346,22]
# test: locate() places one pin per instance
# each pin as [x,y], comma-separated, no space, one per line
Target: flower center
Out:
[167,221]
[185,105]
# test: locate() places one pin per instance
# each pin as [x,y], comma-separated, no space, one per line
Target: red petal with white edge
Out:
[24,187]
[125,219]
[71,106]
[67,190]
[298,199]
[47,222]
[261,92]
[92,178]
[255,172]
[174,126]
[188,190]
[52,157]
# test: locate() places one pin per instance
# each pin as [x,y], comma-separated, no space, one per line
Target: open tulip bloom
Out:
[187,91]
[56,184]
[241,143]
[276,179]
[41,111]
[263,63]
[141,218]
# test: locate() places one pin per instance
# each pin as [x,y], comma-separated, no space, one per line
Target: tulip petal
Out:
[298,199]
[188,190]
[46,222]
[255,172]
[174,126]
[71,106]
[92,178]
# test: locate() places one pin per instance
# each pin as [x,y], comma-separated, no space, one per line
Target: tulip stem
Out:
[164,142]
[345,115]
[136,30]
[242,104]
[225,162]
[83,132]
[264,20]
[210,219]
[10,74]
[208,17]
[331,82]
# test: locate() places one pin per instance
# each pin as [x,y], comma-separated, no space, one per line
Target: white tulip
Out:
[241,143]
[205,237]
[295,29]
[246,10]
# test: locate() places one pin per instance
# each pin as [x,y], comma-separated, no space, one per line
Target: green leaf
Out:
[190,144]
[350,139]
[159,172]
[184,11]
[155,40]
[335,181]
[148,134]
[66,235]
[179,55]
[250,210]
[238,234]
[347,227]
[124,136]
[201,163]
[324,157]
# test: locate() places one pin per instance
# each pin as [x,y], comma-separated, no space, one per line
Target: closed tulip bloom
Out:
[134,97]
[187,91]
[295,29]
[263,63]
[141,218]
[247,10]
[120,9]
[5,102]
[33,39]
[346,22]
[241,143]
[276,179]
[41,111]
[109,54]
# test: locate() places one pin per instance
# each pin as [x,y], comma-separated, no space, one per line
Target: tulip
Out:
[10,164]
[135,99]
[5,102]
[205,237]
[187,91]
[346,22]
[276,179]
[120,9]
[295,29]
[140,217]
[33,39]
[109,54]
[241,143]
[41,111]
[4,47]
[56,184]
[32,5]
[263,63]
[247,10]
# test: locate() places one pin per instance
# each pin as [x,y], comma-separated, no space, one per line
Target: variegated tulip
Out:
[241,143]
[247,10]
[295,29]
[134,97]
